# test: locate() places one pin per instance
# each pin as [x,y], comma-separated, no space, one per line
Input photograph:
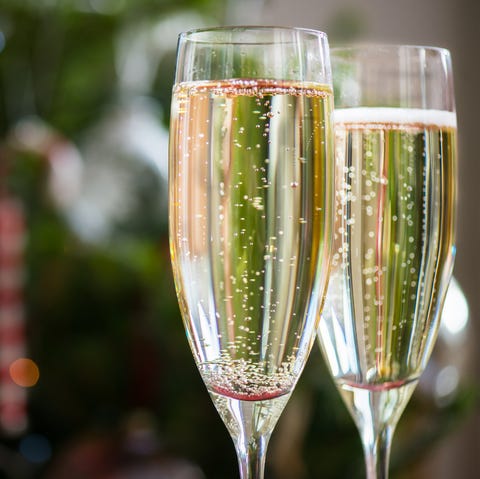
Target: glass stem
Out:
[251,453]
[376,446]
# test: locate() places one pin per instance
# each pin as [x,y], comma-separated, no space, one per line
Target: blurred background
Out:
[96,378]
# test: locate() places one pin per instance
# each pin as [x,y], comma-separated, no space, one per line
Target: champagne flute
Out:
[251,215]
[395,153]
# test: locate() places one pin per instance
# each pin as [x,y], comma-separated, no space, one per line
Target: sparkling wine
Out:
[393,251]
[250,231]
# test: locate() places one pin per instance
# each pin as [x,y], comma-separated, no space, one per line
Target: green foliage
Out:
[58,57]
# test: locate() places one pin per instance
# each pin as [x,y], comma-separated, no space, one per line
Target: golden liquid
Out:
[394,249]
[251,193]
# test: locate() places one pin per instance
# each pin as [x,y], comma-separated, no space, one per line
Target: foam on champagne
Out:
[396,116]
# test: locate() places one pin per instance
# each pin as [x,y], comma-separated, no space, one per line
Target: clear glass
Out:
[395,153]
[251,216]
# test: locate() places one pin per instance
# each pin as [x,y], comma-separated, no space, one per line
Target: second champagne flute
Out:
[251,194]
[395,148]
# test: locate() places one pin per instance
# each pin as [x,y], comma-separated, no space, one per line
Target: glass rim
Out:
[187,35]
[386,47]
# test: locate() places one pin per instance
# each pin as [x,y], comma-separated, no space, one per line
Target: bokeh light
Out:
[24,372]
[35,448]
[455,311]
